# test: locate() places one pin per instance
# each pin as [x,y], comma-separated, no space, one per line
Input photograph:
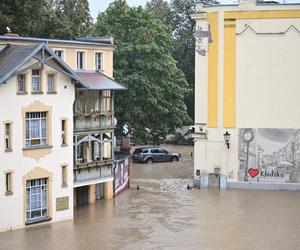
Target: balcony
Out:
[90,175]
[93,121]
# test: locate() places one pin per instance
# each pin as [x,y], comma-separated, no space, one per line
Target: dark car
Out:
[154,154]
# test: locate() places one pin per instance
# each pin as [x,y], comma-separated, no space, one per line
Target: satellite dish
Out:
[8,29]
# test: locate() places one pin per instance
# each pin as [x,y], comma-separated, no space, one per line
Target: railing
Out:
[92,122]
[96,163]
[92,173]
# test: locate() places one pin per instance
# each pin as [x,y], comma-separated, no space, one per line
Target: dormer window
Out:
[36,81]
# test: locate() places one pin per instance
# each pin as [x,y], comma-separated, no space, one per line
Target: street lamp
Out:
[226,138]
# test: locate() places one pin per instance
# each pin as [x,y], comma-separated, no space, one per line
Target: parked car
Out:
[154,154]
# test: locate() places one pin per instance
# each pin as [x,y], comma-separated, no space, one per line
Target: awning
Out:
[98,81]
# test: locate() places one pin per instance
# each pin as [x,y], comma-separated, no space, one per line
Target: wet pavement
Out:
[163,214]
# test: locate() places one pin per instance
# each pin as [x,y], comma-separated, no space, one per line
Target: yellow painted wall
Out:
[229,98]
[212,119]
[108,190]
[262,14]
[92,193]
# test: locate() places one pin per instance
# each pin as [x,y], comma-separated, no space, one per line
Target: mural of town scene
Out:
[269,155]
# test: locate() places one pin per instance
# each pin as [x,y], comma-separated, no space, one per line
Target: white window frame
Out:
[24,83]
[38,77]
[8,182]
[53,90]
[29,127]
[63,53]
[84,59]
[64,175]
[95,60]
[64,134]
[35,195]
[7,136]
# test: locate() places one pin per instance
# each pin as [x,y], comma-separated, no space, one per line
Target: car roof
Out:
[147,148]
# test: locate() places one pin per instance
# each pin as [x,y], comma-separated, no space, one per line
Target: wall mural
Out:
[269,155]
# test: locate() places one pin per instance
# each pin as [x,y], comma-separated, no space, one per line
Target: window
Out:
[59,53]
[107,146]
[8,147]
[21,83]
[51,83]
[106,101]
[36,81]
[63,132]
[64,176]
[36,199]
[98,61]
[80,59]
[36,129]
[8,183]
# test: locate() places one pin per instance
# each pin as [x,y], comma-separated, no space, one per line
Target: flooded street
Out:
[163,214]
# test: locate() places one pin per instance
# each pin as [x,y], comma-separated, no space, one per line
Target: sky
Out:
[101,5]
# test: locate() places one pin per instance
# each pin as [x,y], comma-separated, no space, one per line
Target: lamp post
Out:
[227,138]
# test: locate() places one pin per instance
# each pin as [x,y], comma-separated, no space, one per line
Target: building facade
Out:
[58,125]
[247,84]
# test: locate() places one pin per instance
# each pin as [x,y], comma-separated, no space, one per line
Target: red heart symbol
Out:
[253,172]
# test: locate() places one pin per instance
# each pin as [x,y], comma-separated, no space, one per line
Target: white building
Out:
[247,83]
[36,148]
[57,117]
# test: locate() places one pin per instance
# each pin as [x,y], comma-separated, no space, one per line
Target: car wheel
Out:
[174,158]
[149,161]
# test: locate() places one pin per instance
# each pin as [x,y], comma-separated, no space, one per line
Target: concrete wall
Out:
[21,162]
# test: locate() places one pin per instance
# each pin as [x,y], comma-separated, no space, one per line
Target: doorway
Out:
[82,195]
[100,191]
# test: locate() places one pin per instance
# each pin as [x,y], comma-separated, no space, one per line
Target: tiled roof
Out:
[11,57]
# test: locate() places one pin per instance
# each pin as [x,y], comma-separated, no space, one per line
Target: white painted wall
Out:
[268,74]
[11,207]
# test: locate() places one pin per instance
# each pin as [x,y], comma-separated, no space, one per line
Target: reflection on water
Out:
[163,214]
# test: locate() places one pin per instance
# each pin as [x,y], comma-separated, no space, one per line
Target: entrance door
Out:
[214,181]
[100,191]
[82,195]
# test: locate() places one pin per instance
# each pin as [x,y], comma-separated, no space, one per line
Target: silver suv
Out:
[154,154]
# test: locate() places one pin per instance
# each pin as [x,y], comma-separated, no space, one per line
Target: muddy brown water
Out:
[163,214]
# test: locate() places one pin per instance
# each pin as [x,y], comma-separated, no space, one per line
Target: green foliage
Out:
[179,139]
[154,102]
[178,14]
[65,19]
[161,10]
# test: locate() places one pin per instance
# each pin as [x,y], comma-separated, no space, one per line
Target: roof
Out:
[83,41]
[13,57]
[97,80]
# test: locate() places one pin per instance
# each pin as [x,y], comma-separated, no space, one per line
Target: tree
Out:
[66,19]
[184,44]
[154,102]
[72,18]
[23,16]
[161,10]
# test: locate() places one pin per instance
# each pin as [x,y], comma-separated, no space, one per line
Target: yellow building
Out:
[57,117]
[247,84]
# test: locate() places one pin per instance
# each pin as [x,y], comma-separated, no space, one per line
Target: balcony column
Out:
[75,145]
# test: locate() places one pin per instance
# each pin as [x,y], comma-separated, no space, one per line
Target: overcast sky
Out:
[101,5]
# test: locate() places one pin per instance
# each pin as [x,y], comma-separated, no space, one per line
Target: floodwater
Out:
[163,214]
